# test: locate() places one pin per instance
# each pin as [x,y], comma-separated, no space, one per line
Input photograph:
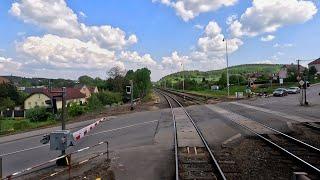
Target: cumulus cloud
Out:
[208,54]
[175,61]
[71,53]
[9,66]
[268,16]
[189,9]
[134,58]
[212,42]
[57,18]
[267,38]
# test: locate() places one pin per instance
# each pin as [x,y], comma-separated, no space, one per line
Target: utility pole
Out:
[131,84]
[304,86]
[227,58]
[182,76]
[62,95]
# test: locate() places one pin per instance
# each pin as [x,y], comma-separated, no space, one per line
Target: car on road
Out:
[293,90]
[280,92]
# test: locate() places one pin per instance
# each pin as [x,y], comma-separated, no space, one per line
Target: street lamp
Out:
[227,58]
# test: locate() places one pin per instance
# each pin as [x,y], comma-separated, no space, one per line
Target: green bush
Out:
[109,98]
[38,114]
[94,103]
[21,125]
[75,110]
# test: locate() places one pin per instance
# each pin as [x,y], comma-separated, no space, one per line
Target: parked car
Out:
[280,92]
[293,90]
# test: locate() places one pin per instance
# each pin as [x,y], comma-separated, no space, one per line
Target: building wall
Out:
[317,66]
[35,100]
[86,91]
[59,103]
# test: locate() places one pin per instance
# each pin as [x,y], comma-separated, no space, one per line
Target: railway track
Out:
[306,155]
[196,99]
[191,161]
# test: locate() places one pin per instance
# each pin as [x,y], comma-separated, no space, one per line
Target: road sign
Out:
[128,89]
[298,78]
[281,81]
[301,83]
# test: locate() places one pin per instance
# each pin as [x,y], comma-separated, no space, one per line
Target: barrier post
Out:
[107,150]
[0,167]
[69,167]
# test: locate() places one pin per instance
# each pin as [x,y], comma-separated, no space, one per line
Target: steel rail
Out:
[175,136]
[279,147]
[290,137]
[221,174]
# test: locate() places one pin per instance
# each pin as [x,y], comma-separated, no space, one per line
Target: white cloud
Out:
[198,26]
[231,18]
[209,53]
[212,41]
[268,16]
[267,38]
[57,18]
[189,9]
[263,62]
[135,58]
[175,61]
[82,14]
[60,52]
[286,45]
[9,66]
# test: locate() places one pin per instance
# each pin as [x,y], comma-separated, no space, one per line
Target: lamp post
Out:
[227,59]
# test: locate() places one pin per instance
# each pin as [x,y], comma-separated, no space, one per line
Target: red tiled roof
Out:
[71,93]
[4,80]
[317,61]
[91,89]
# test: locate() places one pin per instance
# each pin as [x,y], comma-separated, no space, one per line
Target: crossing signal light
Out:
[52,105]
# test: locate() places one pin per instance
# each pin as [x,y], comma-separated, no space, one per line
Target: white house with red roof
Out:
[39,96]
[316,64]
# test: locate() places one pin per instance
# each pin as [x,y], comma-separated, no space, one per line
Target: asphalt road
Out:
[142,143]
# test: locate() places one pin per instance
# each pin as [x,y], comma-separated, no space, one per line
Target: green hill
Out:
[214,75]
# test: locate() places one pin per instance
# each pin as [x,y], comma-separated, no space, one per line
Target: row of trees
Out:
[10,97]
[118,79]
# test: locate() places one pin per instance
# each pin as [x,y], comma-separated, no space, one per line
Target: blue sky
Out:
[69,38]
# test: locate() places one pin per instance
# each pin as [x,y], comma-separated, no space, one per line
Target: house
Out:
[316,64]
[39,96]
[4,80]
[88,91]
[283,73]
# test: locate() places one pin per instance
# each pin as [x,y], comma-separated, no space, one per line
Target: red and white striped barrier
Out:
[82,132]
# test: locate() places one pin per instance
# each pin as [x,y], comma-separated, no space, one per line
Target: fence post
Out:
[12,114]
[0,167]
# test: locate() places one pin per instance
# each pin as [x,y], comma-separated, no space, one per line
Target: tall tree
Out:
[312,71]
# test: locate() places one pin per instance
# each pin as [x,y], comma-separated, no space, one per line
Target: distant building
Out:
[283,73]
[39,96]
[316,64]
[88,91]
[4,80]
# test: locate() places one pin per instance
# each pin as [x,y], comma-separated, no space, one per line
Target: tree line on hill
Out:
[238,76]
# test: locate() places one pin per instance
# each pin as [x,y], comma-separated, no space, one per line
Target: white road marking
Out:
[281,114]
[110,130]
[232,138]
